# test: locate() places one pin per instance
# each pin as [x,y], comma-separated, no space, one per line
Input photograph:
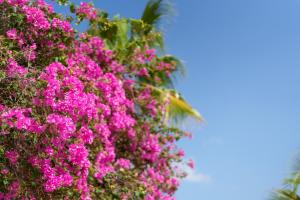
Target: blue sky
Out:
[243,62]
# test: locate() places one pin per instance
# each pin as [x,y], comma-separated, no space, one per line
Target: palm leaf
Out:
[180,68]
[177,108]
[155,10]
[290,191]
[284,194]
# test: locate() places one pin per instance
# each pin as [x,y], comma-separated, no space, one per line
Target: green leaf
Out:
[122,33]
[62,2]
[72,8]
[2,75]
[155,10]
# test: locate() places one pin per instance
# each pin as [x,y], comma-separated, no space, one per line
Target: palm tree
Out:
[291,185]
[177,108]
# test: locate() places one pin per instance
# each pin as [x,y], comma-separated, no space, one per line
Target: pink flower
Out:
[4,171]
[12,34]
[49,150]
[64,125]
[13,190]
[17,2]
[29,52]
[43,4]
[144,72]
[18,118]
[151,148]
[124,163]
[88,10]
[174,182]
[36,17]
[79,155]
[12,156]
[150,54]
[131,133]
[149,197]
[2,107]
[191,164]
[188,134]
[181,153]
[13,69]
[121,121]
[67,179]
[63,25]
[86,135]
[152,106]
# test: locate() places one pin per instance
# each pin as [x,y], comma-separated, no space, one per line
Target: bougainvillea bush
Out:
[82,115]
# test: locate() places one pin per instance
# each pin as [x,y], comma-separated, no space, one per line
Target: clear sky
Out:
[243,61]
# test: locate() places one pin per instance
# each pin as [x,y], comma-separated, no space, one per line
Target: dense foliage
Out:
[85,115]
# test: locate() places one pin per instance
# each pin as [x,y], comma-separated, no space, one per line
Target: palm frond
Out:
[179,64]
[177,108]
[180,68]
[284,194]
[291,185]
[155,10]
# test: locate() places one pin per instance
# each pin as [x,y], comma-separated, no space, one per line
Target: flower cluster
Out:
[64,25]
[87,10]
[20,119]
[36,17]
[13,69]
[86,125]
